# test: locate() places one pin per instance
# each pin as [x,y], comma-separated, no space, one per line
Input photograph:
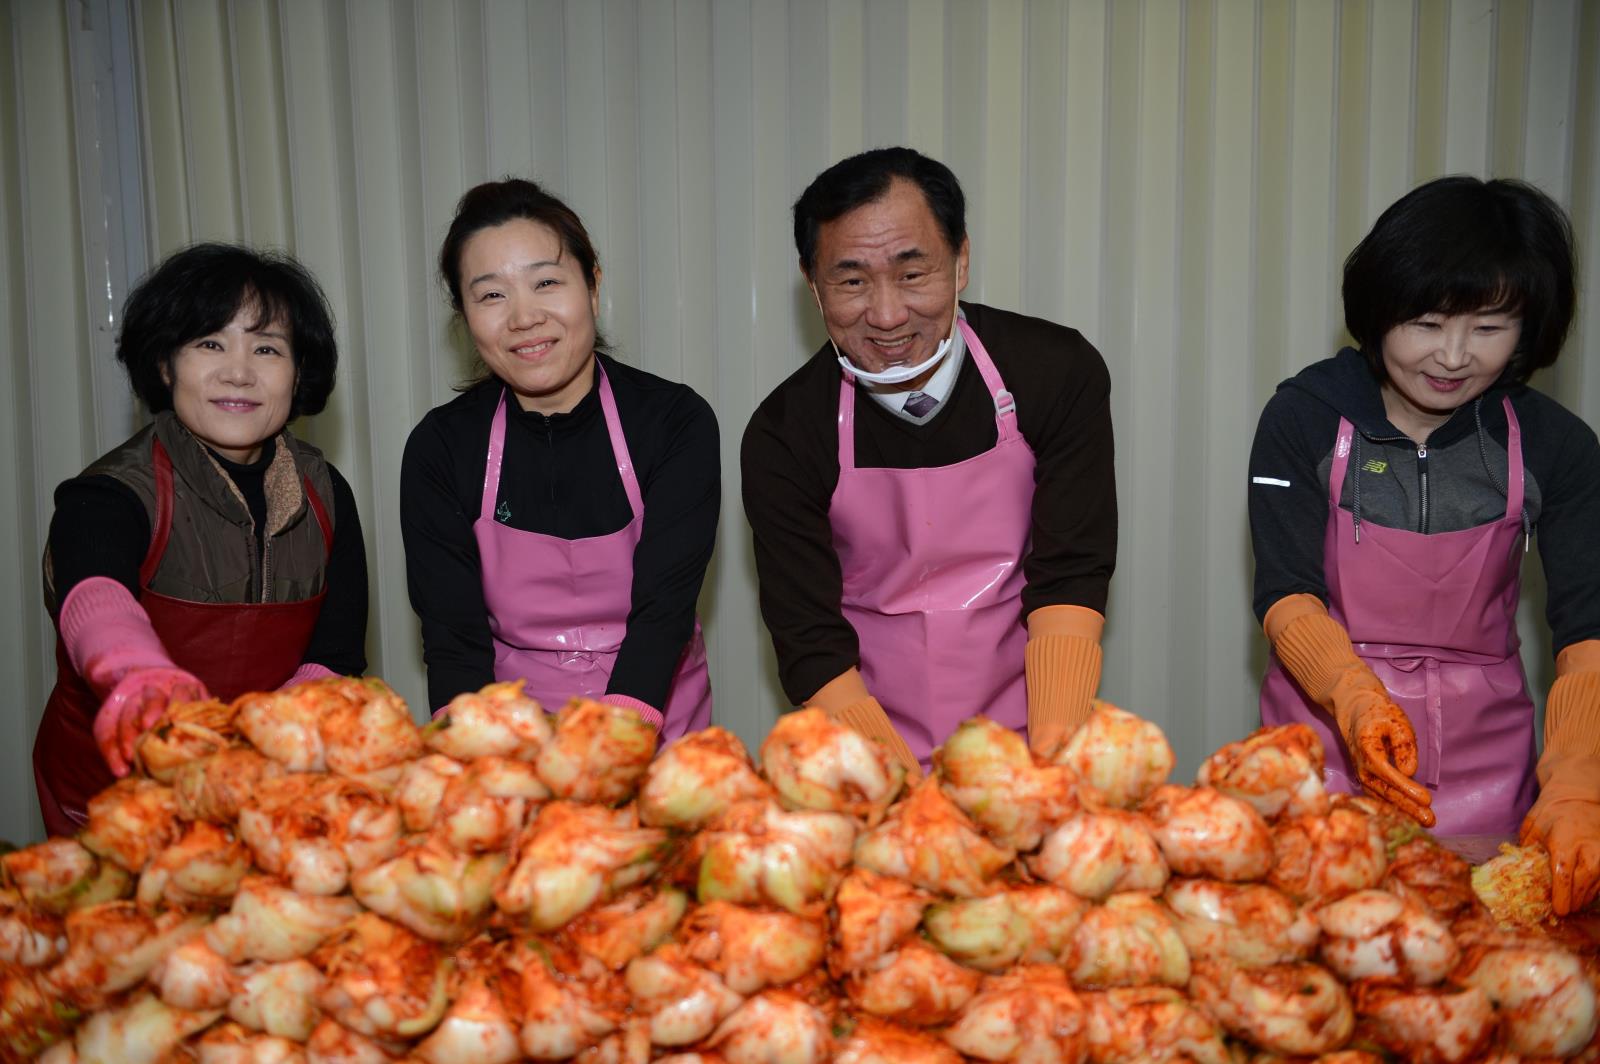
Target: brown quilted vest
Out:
[211,551]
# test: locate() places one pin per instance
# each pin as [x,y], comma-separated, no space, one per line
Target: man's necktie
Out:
[919,405]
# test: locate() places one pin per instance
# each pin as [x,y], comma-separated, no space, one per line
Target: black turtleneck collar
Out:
[257,469]
[579,417]
[251,480]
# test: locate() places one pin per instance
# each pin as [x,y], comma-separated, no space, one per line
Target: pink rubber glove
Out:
[112,645]
[648,713]
[134,706]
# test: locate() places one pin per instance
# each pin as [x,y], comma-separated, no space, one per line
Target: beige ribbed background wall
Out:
[1178,180]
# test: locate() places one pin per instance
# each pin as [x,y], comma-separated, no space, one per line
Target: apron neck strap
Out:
[1005,404]
[619,443]
[619,449]
[1515,489]
[161,462]
[321,513]
[847,423]
[1341,460]
[496,456]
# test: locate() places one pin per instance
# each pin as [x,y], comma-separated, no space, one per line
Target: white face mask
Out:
[894,374]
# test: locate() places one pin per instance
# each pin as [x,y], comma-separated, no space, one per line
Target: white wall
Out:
[1179,180]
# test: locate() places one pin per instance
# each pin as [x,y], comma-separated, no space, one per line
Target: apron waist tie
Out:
[1428,770]
[563,654]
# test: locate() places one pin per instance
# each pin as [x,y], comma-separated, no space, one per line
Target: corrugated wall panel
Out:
[1586,208]
[926,54]
[1193,455]
[846,89]
[1148,308]
[1115,334]
[1002,154]
[167,191]
[1042,199]
[1433,22]
[256,57]
[1179,180]
[1280,60]
[1391,105]
[1088,27]
[663,284]
[777,306]
[1506,142]
[210,117]
[450,131]
[1310,319]
[1468,90]
[1228,626]
[393,253]
[23,650]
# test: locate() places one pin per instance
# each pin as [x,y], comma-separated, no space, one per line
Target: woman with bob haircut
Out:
[212,553]
[560,513]
[1394,489]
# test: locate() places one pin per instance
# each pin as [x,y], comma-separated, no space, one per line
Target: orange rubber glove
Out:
[846,700]
[1566,818]
[1317,651]
[1062,665]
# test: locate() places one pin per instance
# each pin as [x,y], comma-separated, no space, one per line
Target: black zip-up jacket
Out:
[1456,481]
[559,478]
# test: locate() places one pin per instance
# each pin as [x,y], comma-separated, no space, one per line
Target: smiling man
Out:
[932,493]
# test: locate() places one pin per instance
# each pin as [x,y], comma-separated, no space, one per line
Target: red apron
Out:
[1435,617]
[932,567]
[558,608]
[233,648]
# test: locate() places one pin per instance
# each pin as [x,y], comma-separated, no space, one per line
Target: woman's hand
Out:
[1566,819]
[1383,753]
[134,705]
[1570,830]
[1317,651]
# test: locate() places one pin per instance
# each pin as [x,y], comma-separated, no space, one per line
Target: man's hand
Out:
[136,703]
[1383,752]
[1062,666]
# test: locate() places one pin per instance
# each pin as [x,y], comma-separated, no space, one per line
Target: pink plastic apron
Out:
[558,608]
[232,647]
[932,566]
[1435,617]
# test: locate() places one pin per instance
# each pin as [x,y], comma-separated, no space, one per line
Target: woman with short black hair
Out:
[199,290]
[1393,492]
[212,553]
[560,513]
[1459,245]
